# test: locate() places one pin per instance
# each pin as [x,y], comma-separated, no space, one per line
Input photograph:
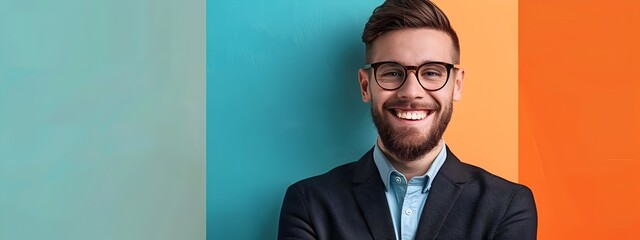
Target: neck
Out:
[413,168]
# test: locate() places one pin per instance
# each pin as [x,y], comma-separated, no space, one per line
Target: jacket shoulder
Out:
[337,176]
[492,182]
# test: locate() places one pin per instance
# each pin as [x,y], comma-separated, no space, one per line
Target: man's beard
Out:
[406,143]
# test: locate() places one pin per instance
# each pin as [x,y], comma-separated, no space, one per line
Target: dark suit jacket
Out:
[465,202]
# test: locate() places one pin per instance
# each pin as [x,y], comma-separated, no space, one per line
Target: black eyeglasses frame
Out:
[416,69]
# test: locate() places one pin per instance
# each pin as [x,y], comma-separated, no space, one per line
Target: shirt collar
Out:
[386,169]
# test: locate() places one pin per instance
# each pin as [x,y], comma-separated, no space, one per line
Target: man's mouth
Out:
[414,115]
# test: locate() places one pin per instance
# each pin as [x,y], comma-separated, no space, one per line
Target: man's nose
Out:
[411,88]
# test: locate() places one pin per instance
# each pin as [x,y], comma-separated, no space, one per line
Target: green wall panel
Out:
[102,119]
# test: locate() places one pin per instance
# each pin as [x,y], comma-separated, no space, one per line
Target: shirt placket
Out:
[410,205]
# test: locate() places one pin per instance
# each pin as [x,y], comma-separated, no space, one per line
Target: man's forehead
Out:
[412,46]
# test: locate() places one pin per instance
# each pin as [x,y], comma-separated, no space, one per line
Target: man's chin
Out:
[407,148]
[409,141]
[409,135]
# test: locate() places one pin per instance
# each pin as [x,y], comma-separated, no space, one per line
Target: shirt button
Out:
[408,211]
[398,180]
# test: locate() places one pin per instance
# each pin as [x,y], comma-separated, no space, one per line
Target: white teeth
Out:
[412,115]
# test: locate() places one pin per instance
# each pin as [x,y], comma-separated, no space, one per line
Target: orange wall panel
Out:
[579,116]
[484,127]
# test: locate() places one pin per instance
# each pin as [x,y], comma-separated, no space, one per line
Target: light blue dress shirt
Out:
[406,200]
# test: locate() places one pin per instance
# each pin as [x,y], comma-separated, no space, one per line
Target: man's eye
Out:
[434,73]
[392,74]
[431,74]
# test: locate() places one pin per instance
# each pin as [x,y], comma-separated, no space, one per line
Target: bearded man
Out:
[409,185]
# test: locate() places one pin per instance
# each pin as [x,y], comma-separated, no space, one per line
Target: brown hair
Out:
[403,14]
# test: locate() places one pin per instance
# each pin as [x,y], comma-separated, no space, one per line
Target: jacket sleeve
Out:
[521,218]
[294,218]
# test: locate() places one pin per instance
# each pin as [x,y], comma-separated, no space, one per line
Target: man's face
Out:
[411,120]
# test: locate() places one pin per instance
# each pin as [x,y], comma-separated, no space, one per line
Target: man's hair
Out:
[405,14]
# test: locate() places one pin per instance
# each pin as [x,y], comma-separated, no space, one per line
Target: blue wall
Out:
[282,104]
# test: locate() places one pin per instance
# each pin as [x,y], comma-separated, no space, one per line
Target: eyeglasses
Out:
[432,76]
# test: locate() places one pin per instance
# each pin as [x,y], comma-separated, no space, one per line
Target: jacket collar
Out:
[445,189]
[369,193]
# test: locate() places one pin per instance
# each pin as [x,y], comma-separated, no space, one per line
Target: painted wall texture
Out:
[579,116]
[484,127]
[102,119]
[282,104]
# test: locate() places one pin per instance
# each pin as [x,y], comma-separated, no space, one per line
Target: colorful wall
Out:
[188,119]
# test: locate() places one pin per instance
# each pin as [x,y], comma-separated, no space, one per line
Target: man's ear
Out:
[457,85]
[363,78]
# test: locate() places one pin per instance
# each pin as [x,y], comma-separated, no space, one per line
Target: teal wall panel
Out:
[282,104]
[102,119]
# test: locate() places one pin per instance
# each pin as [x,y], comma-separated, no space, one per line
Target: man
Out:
[409,185]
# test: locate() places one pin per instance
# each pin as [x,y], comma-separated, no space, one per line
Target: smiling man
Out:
[409,185]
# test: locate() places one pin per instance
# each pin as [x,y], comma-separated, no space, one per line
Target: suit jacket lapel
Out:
[369,193]
[445,189]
